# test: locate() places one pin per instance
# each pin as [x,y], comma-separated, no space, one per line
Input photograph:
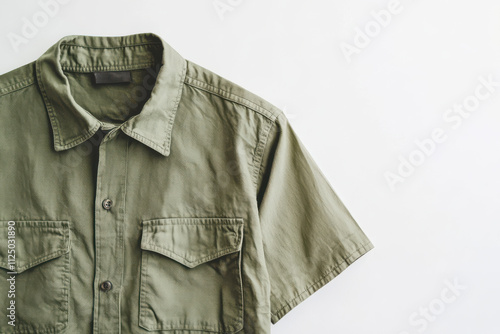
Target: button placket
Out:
[109,216]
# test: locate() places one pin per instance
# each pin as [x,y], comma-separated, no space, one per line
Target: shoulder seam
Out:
[231,97]
[17,86]
[259,152]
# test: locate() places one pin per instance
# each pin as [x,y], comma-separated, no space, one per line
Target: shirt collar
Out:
[72,124]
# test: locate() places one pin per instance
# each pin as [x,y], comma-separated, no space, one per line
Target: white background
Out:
[358,116]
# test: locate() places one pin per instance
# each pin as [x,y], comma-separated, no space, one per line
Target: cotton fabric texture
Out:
[167,199]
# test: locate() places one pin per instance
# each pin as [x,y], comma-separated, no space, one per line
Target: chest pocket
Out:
[35,299]
[191,275]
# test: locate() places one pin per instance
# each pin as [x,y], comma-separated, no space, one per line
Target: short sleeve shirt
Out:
[141,192]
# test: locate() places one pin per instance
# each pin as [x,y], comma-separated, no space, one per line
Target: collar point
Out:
[58,148]
[164,151]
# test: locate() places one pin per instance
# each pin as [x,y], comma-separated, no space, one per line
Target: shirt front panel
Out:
[198,211]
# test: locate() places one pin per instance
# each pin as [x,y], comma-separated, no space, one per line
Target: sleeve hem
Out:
[327,277]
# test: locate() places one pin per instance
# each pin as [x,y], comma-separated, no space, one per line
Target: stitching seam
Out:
[258,155]
[17,86]
[288,304]
[231,97]
[114,47]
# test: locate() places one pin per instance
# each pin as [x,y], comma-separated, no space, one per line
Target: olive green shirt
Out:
[141,192]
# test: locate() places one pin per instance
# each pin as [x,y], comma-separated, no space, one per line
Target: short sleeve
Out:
[308,235]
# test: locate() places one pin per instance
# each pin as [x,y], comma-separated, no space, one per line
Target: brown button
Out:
[106,286]
[106,204]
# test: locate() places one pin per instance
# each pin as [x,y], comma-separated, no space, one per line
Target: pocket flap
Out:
[34,242]
[192,241]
